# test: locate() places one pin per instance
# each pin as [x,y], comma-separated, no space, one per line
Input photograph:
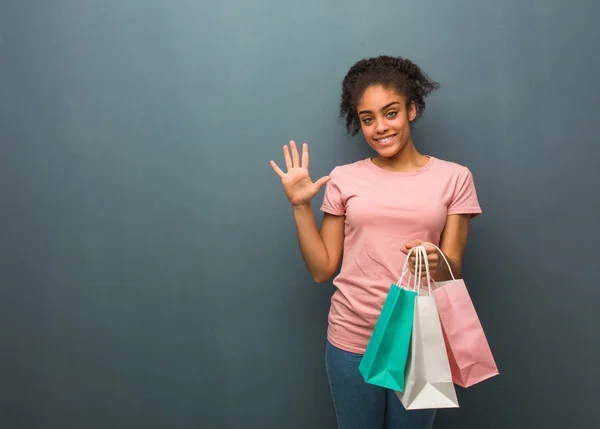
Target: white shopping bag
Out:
[428,377]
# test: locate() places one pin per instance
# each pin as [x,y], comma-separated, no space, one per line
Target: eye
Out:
[391,114]
[367,120]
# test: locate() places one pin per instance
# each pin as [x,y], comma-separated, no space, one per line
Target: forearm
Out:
[311,243]
[442,273]
[453,244]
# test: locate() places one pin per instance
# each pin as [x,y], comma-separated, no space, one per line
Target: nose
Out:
[381,126]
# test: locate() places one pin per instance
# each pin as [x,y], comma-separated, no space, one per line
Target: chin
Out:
[387,152]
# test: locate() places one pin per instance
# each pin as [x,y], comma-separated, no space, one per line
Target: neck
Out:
[407,159]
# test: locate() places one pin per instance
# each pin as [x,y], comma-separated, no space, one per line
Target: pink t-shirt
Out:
[384,210]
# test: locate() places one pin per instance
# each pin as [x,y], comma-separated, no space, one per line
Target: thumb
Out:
[322,181]
[413,243]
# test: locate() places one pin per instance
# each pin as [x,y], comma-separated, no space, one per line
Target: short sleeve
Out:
[333,202]
[464,199]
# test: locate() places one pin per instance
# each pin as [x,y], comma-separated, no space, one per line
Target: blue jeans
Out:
[360,405]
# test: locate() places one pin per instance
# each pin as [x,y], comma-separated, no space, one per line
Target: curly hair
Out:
[397,73]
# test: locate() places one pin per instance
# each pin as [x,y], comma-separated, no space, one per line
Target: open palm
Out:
[298,186]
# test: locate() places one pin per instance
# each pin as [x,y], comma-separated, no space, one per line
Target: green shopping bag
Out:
[384,360]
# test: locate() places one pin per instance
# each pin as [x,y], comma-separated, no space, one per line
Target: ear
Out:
[412,111]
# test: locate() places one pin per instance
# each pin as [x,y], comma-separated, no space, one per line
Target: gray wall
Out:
[149,270]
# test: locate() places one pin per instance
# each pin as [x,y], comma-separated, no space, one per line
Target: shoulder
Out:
[343,181]
[451,172]
[450,167]
[350,170]
[459,188]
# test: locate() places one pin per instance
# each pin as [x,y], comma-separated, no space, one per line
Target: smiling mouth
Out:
[385,140]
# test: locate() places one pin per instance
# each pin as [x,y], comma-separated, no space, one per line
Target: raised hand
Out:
[298,186]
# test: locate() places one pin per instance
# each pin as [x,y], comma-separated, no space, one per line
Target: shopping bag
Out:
[384,361]
[428,376]
[469,353]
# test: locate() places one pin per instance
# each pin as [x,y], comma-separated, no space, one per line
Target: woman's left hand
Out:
[433,257]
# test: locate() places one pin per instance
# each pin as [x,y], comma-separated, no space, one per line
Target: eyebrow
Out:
[384,107]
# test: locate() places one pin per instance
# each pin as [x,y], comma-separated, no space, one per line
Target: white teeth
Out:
[386,140]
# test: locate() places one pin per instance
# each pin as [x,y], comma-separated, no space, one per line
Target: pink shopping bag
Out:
[469,353]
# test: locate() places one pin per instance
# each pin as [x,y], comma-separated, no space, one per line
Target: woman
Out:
[373,209]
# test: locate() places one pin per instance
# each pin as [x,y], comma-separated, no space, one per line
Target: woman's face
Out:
[385,120]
